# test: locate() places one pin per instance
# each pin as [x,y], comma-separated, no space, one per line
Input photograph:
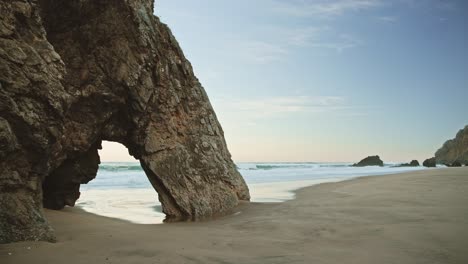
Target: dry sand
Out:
[417,217]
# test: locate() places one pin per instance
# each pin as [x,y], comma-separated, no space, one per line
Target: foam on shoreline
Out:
[122,191]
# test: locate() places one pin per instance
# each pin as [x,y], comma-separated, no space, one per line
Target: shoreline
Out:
[139,204]
[412,217]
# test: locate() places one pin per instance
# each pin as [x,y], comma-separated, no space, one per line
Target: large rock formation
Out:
[454,149]
[76,72]
[369,161]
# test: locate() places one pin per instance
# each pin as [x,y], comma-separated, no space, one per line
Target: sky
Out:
[335,80]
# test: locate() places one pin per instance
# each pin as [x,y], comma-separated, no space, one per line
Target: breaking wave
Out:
[120,166]
[304,165]
[122,190]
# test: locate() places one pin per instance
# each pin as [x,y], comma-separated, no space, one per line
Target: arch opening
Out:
[119,189]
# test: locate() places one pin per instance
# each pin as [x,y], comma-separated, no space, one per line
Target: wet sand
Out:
[416,217]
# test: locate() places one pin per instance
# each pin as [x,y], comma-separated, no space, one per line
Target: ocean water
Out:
[121,189]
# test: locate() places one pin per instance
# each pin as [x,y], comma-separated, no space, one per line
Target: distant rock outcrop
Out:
[369,161]
[429,162]
[76,72]
[454,149]
[413,163]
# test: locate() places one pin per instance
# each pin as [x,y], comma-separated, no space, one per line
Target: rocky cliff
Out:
[455,149]
[76,72]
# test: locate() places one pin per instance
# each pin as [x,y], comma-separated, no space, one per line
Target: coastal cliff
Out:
[74,73]
[454,150]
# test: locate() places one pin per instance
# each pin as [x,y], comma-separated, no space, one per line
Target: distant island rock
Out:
[429,162]
[369,161]
[413,163]
[454,150]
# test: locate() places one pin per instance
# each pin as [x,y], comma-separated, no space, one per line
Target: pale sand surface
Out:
[417,217]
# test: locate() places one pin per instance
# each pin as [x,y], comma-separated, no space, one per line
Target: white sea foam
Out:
[121,189]
[137,205]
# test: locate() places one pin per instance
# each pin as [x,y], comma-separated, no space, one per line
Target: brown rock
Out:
[454,150]
[431,162]
[107,70]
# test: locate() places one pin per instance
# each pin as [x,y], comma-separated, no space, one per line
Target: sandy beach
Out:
[416,217]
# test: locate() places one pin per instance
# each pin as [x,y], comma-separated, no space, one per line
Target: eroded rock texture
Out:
[454,150]
[76,72]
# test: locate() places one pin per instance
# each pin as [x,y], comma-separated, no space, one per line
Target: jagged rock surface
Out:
[369,161]
[454,164]
[74,73]
[454,149]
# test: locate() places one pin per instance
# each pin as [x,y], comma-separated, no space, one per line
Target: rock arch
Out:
[81,71]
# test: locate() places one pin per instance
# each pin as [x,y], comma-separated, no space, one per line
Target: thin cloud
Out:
[302,37]
[437,4]
[323,8]
[388,19]
[281,105]
[288,41]
[273,44]
[263,52]
[341,43]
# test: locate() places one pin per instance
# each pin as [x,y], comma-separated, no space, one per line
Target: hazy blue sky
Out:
[328,80]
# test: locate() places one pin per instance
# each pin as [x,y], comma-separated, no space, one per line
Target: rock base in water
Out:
[413,163]
[454,164]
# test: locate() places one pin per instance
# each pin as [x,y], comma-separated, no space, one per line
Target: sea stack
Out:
[454,164]
[431,162]
[369,161]
[75,73]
